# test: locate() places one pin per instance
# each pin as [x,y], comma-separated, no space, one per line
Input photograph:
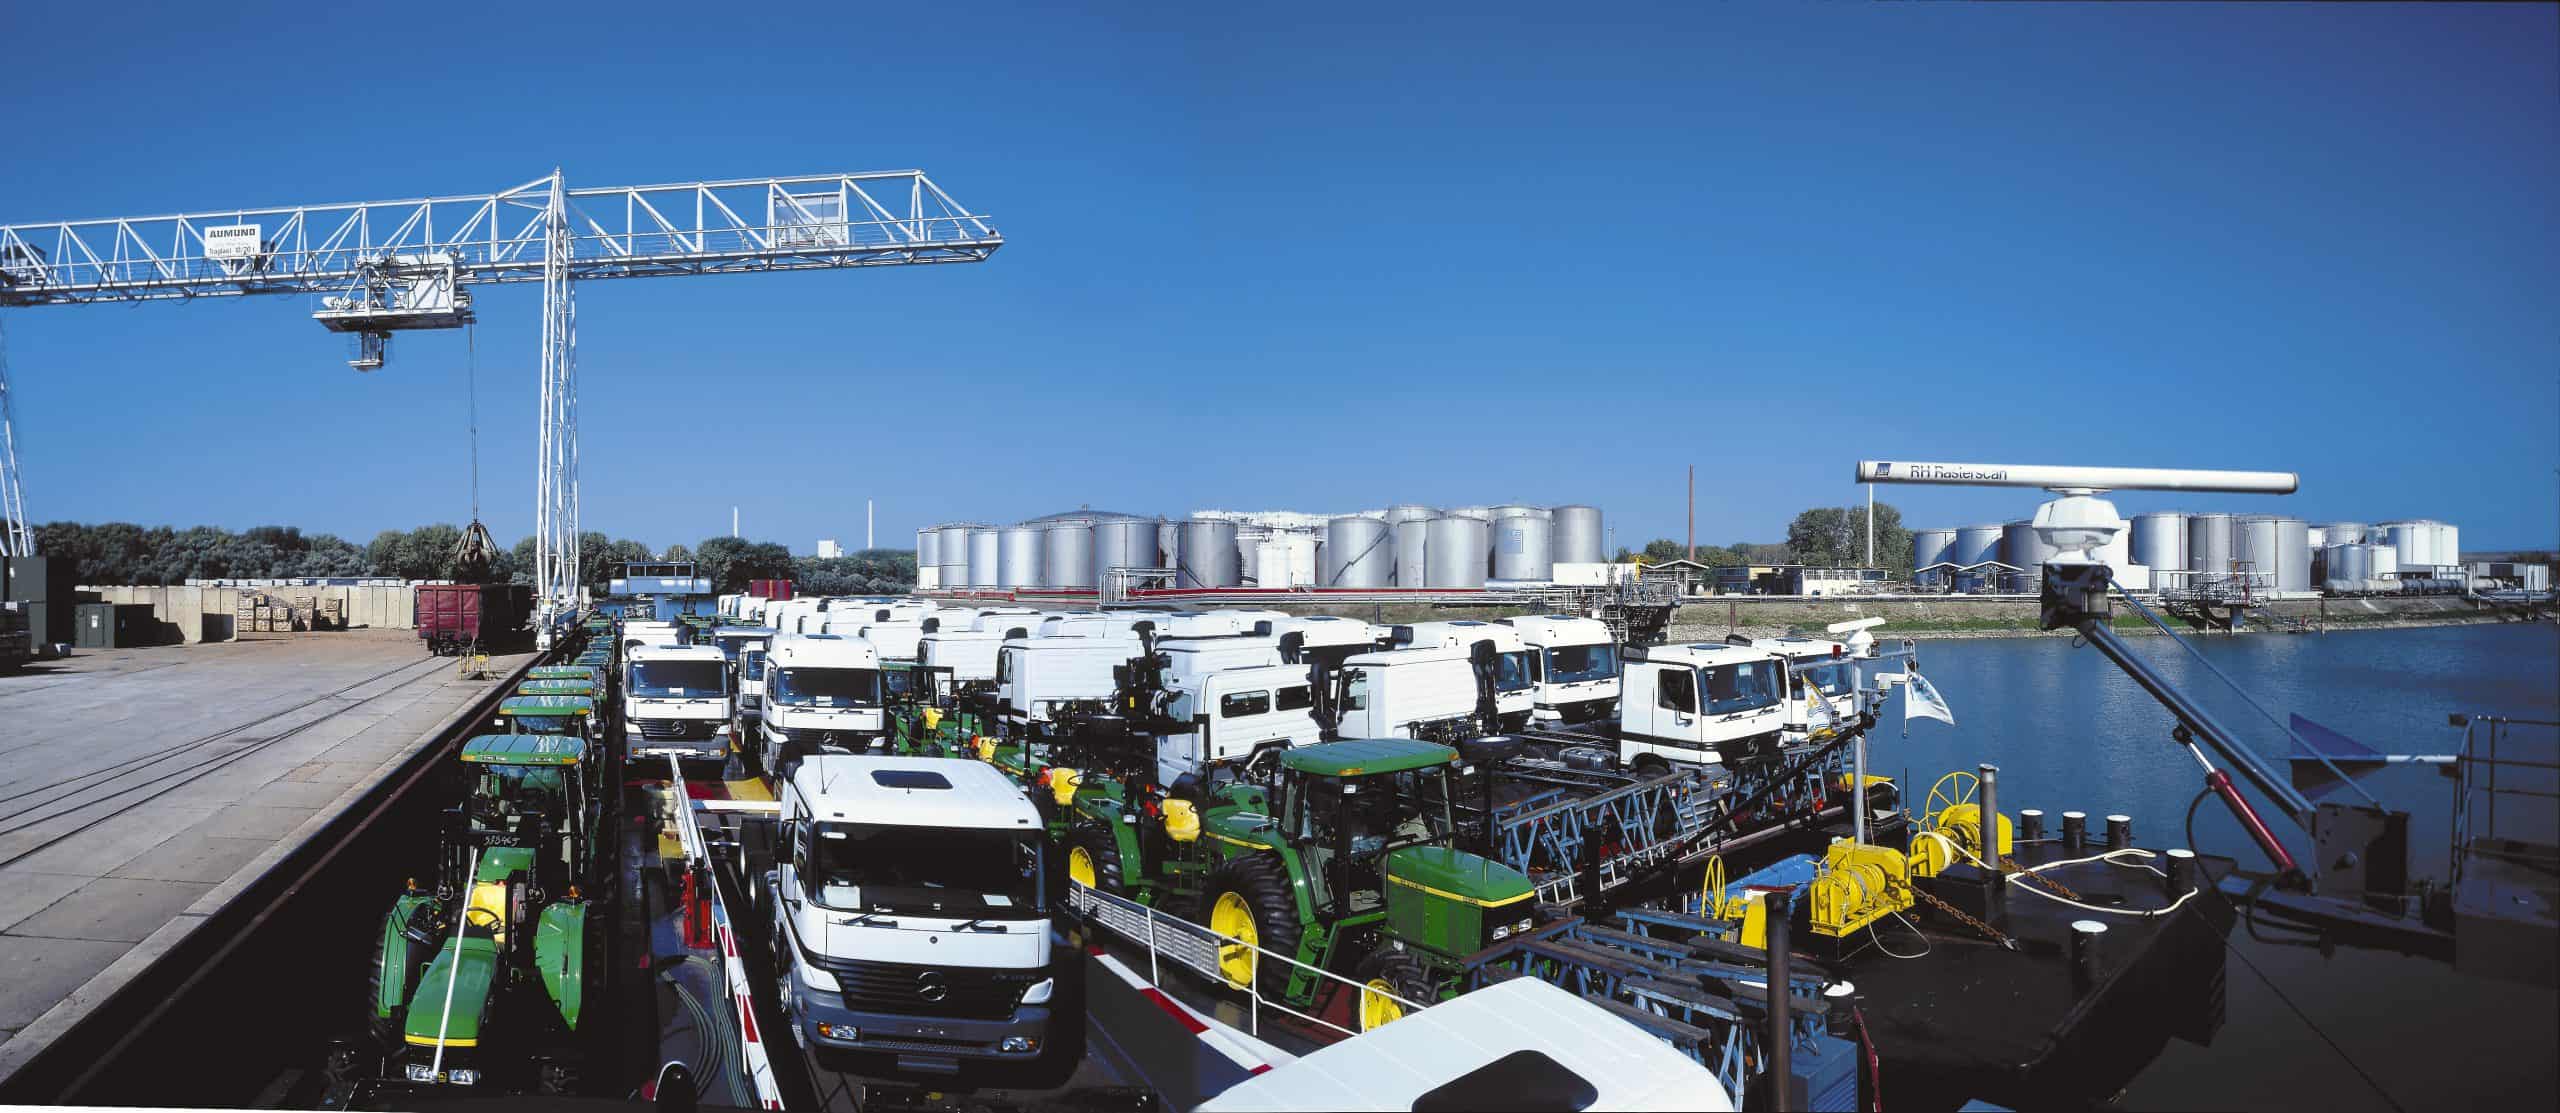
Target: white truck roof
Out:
[1327,630]
[1410,656]
[1460,632]
[823,651]
[678,653]
[1559,629]
[1191,655]
[1392,1067]
[903,792]
[1800,648]
[1704,653]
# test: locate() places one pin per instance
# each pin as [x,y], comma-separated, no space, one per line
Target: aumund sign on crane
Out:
[387,266]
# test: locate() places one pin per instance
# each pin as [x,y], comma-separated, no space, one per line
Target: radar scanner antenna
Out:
[2079,521]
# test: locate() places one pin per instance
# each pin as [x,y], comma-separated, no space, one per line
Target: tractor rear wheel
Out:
[1093,860]
[1250,900]
[1390,971]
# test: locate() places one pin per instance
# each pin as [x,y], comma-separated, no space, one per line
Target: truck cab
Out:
[910,912]
[821,695]
[1222,719]
[1817,669]
[1439,693]
[970,653]
[744,648]
[1701,704]
[1573,668]
[1515,695]
[1036,676]
[675,703]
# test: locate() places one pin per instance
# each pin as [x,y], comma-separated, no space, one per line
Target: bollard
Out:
[2075,831]
[2181,871]
[2087,939]
[1839,1000]
[1781,1035]
[2031,825]
[1995,877]
[2119,832]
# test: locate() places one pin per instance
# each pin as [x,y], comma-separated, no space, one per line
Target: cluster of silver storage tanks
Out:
[2279,554]
[1405,547]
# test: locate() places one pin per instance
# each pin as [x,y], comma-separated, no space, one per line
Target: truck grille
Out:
[814,736]
[676,730]
[896,987]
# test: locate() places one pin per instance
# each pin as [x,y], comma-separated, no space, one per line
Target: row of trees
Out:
[125,553]
[1824,536]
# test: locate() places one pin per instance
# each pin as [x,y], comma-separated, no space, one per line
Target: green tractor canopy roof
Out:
[578,687]
[1355,757]
[523,749]
[561,672]
[547,705]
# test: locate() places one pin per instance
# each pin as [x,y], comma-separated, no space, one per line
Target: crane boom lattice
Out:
[381,267]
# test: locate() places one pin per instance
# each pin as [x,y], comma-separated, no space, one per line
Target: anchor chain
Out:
[1993,933]
[2058,887]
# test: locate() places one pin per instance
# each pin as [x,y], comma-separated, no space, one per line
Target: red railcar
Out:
[454,617]
[769,589]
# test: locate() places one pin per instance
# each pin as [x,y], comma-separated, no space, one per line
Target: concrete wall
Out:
[199,614]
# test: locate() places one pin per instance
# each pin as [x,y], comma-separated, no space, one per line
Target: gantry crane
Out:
[381,267]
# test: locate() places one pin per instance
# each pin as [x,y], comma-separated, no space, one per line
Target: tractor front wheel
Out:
[1093,860]
[1391,971]
[1249,900]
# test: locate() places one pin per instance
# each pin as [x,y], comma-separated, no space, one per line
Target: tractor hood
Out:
[1457,875]
[468,967]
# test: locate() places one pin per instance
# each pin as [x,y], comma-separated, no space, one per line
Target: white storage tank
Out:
[2209,544]
[952,555]
[1519,510]
[2348,563]
[1207,556]
[2343,533]
[1413,543]
[1305,556]
[1404,512]
[1018,558]
[985,558]
[2021,546]
[1359,553]
[2160,539]
[1122,543]
[1579,536]
[1932,546]
[1975,544]
[1066,555]
[2384,560]
[1479,513]
[2293,555]
[1523,549]
[927,549]
[1456,553]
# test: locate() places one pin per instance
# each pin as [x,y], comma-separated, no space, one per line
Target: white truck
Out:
[675,702]
[1515,695]
[1437,692]
[970,651]
[1035,676]
[1233,715]
[1701,704]
[910,912]
[1573,668]
[743,647]
[821,695]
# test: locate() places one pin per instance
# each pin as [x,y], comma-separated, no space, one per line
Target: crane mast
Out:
[380,267]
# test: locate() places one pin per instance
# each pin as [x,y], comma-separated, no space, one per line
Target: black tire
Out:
[1262,883]
[1651,765]
[384,1029]
[1097,844]
[1401,973]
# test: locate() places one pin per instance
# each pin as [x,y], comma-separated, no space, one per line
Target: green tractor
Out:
[484,980]
[548,687]
[1346,863]
[924,719]
[569,715]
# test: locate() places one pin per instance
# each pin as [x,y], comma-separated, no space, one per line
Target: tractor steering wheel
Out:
[474,917]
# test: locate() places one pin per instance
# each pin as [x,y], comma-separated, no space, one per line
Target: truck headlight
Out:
[1039,992]
[819,979]
[1019,1044]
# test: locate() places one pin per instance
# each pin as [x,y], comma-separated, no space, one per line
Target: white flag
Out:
[1920,700]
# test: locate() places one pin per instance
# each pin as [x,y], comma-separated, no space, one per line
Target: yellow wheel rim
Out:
[1950,790]
[1080,867]
[1233,918]
[1376,1006]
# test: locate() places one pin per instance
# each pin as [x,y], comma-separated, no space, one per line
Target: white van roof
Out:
[1392,1067]
[913,792]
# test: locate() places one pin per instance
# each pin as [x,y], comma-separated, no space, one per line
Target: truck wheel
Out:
[1093,860]
[1390,971]
[1250,900]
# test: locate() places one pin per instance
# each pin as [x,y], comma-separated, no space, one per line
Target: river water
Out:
[2069,731]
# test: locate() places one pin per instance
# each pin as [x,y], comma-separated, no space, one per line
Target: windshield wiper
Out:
[972,925]
[866,919]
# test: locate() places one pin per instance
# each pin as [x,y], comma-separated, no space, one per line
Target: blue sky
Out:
[1351,258]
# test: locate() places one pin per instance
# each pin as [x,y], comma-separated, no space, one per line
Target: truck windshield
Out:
[825,687]
[926,871]
[1747,686]
[678,679]
[1571,664]
[1511,672]
[1833,678]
